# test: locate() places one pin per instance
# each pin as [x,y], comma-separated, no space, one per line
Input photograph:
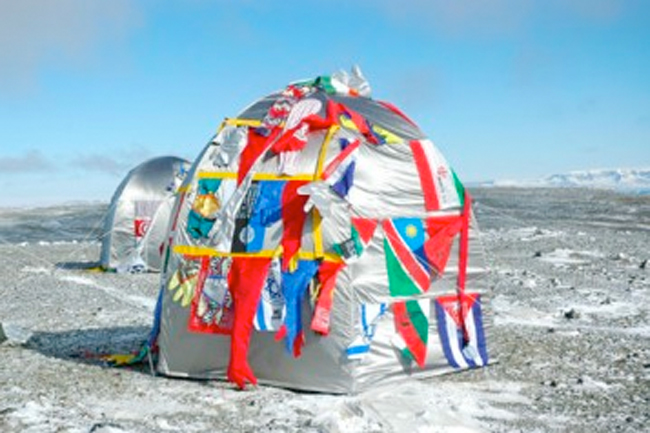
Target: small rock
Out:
[643,264]
[537,254]
[571,314]
[3,337]
[106,427]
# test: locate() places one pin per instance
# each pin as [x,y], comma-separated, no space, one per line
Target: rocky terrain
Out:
[570,293]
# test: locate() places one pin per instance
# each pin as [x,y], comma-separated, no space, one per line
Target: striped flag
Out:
[412,326]
[406,261]
[271,308]
[440,186]
[453,313]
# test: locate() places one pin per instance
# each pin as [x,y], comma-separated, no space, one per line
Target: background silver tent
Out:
[136,221]
[390,189]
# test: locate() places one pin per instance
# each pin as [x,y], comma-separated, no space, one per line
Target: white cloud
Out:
[32,161]
[34,32]
[115,164]
[481,18]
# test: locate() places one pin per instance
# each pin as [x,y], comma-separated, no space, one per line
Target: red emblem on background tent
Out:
[140,226]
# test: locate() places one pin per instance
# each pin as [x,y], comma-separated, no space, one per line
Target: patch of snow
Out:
[564,256]
[443,407]
[136,300]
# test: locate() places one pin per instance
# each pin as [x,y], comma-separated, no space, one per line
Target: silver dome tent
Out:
[320,242]
[137,217]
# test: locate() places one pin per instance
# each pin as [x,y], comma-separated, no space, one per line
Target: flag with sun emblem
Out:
[204,209]
[406,261]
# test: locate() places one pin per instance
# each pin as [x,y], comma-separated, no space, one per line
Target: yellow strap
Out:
[256,176]
[323,150]
[190,250]
[317,218]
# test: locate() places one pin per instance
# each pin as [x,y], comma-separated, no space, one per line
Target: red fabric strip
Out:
[342,156]
[256,147]
[426,177]
[293,220]
[246,280]
[327,273]
[407,331]
[463,250]
[397,111]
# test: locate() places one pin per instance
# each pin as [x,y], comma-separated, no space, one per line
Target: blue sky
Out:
[507,89]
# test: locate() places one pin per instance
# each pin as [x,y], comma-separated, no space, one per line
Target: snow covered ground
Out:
[570,285]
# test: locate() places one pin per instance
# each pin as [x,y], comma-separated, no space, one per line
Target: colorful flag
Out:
[294,288]
[293,220]
[245,239]
[339,174]
[144,212]
[441,231]
[140,226]
[440,186]
[327,272]
[406,262]
[369,316]
[246,279]
[362,232]
[463,348]
[256,147]
[260,209]
[271,308]
[301,120]
[206,204]
[351,120]
[412,326]
[281,108]
[212,309]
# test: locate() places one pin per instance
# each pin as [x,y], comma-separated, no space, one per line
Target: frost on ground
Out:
[570,293]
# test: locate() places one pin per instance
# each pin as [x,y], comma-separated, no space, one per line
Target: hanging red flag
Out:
[327,273]
[245,280]
[293,219]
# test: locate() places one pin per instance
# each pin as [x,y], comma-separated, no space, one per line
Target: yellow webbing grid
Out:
[317,219]
[189,250]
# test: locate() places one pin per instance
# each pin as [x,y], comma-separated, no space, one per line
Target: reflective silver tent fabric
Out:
[385,189]
[137,217]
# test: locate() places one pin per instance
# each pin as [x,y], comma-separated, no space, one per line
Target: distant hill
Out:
[623,180]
